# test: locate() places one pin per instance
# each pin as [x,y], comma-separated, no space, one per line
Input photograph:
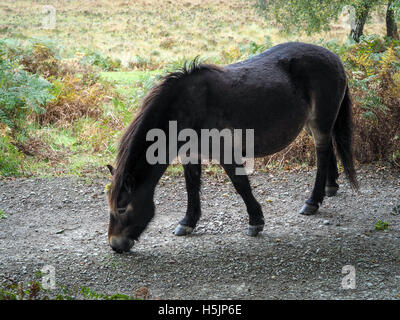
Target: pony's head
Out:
[131,209]
[130,212]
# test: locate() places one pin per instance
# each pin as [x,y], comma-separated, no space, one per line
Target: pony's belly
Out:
[267,142]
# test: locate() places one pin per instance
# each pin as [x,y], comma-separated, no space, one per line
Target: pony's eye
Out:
[121,210]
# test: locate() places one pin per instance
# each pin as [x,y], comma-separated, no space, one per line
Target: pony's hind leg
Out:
[332,187]
[242,186]
[324,152]
[193,212]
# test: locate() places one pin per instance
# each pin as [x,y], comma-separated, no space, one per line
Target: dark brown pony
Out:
[276,93]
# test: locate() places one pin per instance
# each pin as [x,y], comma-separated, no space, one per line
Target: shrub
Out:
[167,43]
[21,93]
[48,89]
[254,48]
[95,58]
[37,87]
[374,71]
[97,136]
[10,157]
[74,98]
[244,51]
[41,60]
[142,63]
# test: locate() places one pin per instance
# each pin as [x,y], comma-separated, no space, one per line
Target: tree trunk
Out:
[391,27]
[361,12]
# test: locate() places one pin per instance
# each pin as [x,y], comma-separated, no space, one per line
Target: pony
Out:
[276,93]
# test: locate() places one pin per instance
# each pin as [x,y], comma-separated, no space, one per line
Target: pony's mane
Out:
[158,96]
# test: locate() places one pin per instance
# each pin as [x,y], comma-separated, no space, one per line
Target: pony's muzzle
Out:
[121,244]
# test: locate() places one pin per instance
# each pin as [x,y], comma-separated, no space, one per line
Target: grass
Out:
[2,215]
[127,77]
[149,37]
[33,290]
[130,84]
[90,144]
[382,226]
[158,31]
[86,145]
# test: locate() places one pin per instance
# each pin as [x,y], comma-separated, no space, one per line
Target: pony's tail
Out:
[343,134]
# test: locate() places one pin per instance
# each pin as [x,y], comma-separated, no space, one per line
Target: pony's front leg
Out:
[193,212]
[242,186]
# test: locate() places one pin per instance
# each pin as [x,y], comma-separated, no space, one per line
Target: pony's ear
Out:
[111,168]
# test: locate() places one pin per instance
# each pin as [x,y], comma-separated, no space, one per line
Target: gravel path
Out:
[63,222]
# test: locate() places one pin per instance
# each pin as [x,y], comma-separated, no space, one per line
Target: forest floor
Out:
[62,222]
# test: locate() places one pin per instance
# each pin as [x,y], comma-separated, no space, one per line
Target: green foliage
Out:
[2,215]
[86,293]
[373,69]
[95,58]
[33,290]
[243,51]
[335,46]
[253,48]
[21,93]
[142,63]
[382,226]
[304,15]
[92,295]
[21,291]
[10,158]
[311,16]
[369,101]
[370,63]
[396,8]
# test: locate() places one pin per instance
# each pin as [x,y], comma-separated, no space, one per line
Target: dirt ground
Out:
[63,222]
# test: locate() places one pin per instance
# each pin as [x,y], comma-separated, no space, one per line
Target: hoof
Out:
[331,191]
[182,230]
[253,231]
[308,209]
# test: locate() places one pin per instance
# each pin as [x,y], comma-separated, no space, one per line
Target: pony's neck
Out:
[148,176]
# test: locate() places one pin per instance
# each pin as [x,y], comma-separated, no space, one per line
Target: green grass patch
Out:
[2,215]
[59,138]
[10,158]
[175,170]
[86,164]
[33,290]
[382,226]
[131,85]
[127,77]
